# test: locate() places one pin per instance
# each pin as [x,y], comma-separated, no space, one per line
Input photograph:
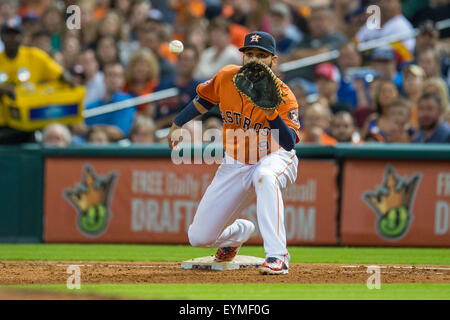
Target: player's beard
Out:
[269,65]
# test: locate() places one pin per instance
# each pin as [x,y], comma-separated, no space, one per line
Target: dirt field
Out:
[53,272]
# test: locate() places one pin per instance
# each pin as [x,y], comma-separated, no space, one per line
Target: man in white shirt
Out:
[392,22]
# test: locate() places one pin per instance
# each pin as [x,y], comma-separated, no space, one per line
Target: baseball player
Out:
[266,167]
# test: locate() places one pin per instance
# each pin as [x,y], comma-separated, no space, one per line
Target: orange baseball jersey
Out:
[246,131]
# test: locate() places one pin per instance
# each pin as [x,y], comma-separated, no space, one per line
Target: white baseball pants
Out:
[234,186]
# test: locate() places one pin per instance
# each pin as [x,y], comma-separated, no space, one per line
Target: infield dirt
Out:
[54,272]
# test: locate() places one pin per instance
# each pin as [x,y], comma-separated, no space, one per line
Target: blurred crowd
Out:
[395,93]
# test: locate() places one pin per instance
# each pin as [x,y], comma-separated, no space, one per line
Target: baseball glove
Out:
[259,84]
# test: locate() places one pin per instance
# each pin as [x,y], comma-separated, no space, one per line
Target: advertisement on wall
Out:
[136,200]
[395,203]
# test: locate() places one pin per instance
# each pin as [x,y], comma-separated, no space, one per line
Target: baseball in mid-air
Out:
[176,46]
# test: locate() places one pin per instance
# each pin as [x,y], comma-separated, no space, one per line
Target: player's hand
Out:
[171,139]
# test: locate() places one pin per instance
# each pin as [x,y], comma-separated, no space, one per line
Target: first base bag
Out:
[36,106]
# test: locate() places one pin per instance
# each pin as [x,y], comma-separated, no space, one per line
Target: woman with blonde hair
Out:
[111,25]
[142,75]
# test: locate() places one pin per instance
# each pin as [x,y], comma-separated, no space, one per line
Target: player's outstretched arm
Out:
[195,108]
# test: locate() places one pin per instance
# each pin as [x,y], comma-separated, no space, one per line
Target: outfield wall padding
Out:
[368,195]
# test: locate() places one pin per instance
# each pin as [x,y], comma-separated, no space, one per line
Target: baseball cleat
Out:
[226,254]
[274,265]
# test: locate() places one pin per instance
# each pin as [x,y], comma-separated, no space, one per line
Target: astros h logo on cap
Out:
[254,38]
[261,40]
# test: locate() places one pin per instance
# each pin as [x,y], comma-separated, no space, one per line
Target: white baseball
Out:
[176,46]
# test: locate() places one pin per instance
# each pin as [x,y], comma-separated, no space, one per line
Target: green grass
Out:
[256,291]
[120,252]
[280,291]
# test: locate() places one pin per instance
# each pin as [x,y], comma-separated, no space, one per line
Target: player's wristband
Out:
[187,114]
[287,136]
[205,103]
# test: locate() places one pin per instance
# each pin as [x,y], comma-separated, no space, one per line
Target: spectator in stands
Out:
[316,123]
[258,16]
[350,15]
[377,123]
[71,48]
[286,35]
[413,78]
[343,129]
[56,135]
[186,13]
[123,7]
[35,66]
[220,53]
[392,23]
[52,21]
[88,24]
[433,49]
[430,62]
[142,76]
[435,10]
[94,78]
[139,12]
[156,22]
[382,60]
[349,57]
[41,40]
[238,30]
[400,130]
[322,38]
[114,82]
[184,81]
[432,128]
[327,80]
[97,135]
[300,93]
[110,26]
[143,130]
[438,87]
[197,35]
[151,39]
[8,12]
[239,11]
[428,37]
[106,51]
[31,25]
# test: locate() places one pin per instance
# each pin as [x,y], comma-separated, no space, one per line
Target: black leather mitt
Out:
[259,84]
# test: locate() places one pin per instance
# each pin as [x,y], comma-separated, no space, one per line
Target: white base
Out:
[209,263]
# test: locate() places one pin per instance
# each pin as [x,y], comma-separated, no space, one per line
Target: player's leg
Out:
[221,202]
[270,175]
